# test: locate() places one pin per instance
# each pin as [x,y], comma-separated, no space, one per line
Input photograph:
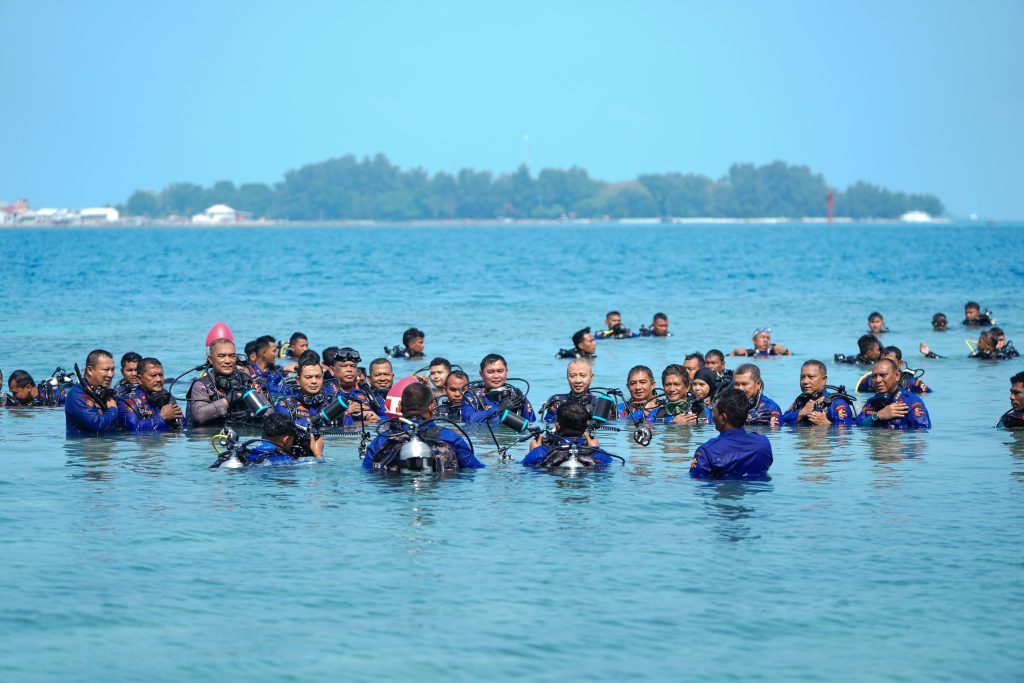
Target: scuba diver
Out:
[892,407]
[381,379]
[149,407]
[583,346]
[876,324]
[91,405]
[761,410]
[642,405]
[909,379]
[416,442]
[658,328]
[973,317]
[26,393]
[412,341]
[579,373]
[614,329]
[362,407]
[816,405]
[570,446]
[310,396]
[129,374]
[1014,417]
[487,402]
[297,345]
[714,360]
[704,387]
[735,453]
[869,350]
[225,392]
[450,405]
[263,368]
[693,362]
[991,345]
[681,404]
[939,322]
[281,441]
[762,345]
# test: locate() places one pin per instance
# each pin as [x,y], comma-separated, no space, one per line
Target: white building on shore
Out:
[219,214]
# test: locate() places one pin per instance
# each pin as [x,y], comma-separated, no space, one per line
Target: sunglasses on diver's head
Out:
[763,329]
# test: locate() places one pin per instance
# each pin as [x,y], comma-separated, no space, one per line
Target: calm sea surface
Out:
[869,555]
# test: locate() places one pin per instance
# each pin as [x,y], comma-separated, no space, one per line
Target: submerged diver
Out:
[908,378]
[761,409]
[940,323]
[892,407]
[440,448]
[217,395]
[642,403]
[869,349]
[1014,417]
[973,317]
[280,442]
[735,453]
[762,345]
[991,345]
[571,445]
[614,329]
[149,407]
[583,346]
[579,373]
[412,345]
[487,403]
[658,328]
[450,405]
[26,393]
[816,405]
[876,324]
[91,407]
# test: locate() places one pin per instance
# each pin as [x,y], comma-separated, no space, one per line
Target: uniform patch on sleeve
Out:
[919,410]
[841,412]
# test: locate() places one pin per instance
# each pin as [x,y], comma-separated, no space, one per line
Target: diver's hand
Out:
[807,410]
[513,403]
[591,440]
[688,419]
[171,411]
[316,447]
[924,349]
[112,403]
[818,418]
[536,441]
[773,421]
[893,411]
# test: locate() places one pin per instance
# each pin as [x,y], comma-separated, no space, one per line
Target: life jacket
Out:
[442,456]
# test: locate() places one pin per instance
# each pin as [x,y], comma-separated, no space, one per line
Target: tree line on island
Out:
[347,188]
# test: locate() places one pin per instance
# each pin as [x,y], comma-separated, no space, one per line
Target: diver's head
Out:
[762,339]
[579,373]
[876,323]
[266,351]
[584,341]
[493,371]
[417,401]
[310,374]
[22,386]
[987,341]
[438,371]
[675,381]
[279,429]
[130,367]
[222,356]
[885,376]
[151,375]
[382,375]
[714,360]
[327,356]
[571,419]
[412,339]
[640,382]
[813,377]
[99,368]
[1017,391]
[998,337]
[703,383]
[940,322]
[345,367]
[612,319]
[659,326]
[747,379]
[454,385]
[869,347]
[894,354]
[730,410]
[693,362]
[972,310]
[250,352]
[298,344]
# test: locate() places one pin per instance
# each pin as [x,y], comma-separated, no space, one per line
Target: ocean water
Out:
[868,556]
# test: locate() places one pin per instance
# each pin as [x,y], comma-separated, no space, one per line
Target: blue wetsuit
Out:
[651,415]
[264,451]
[50,395]
[914,384]
[137,414]
[733,454]
[551,406]
[537,455]
[916,418]
[1013,419]
[272,378]
[464,457]
[82,415]
[764,411]
[478,407]
[838,410]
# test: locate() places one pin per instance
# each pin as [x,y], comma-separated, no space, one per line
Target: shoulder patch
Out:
[919,410]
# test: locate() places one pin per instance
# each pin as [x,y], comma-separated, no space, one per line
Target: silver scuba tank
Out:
[415,457]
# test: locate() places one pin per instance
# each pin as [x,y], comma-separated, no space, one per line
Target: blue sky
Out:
[102,98]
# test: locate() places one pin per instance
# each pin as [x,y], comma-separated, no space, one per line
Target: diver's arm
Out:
[204,407]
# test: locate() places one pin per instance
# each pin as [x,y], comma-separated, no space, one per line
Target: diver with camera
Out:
[149,407]
[412,345]
[571,445]
[91,405]
[281,441]
[614,329]
[225,392]
[492,395]
[819,403]
[418,442]
[25,393]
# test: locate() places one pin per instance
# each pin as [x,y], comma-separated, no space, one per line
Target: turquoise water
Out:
[869,555]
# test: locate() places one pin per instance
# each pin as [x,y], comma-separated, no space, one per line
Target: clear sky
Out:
[101,98]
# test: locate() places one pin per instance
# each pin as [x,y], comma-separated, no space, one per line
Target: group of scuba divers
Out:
[415,425]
